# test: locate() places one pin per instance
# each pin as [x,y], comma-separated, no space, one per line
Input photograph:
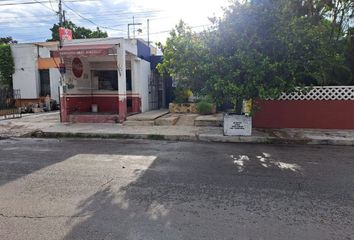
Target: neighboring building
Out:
[107,79]
[36,72]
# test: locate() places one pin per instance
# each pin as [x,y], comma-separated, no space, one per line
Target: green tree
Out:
[78,32]
[7,40]
[185,57]
[7,67]
[259,49]
[265,49]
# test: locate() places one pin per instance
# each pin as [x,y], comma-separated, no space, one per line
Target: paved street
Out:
[137,189]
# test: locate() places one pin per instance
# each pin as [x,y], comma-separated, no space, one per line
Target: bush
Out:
[182,95]
[205,108]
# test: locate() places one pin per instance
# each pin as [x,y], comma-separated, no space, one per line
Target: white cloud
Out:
[29,22]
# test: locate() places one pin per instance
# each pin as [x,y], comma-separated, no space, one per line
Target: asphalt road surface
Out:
[136,189]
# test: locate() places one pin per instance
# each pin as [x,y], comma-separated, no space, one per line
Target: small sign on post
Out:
[65,34]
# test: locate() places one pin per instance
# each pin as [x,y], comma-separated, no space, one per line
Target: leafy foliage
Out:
[7,67]
[181,95]
[7,40]
[78,32]
[261,48]
[205,108]
[184,57]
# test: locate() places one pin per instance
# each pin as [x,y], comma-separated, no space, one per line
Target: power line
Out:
[51,9]
[89,20]
[41,2]
[50,2]
[101,14]
[74,17]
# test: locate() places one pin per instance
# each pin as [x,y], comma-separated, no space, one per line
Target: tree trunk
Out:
[239,104]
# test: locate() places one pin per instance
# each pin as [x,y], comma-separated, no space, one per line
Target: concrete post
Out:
[136,101]
[135,75]
[122,88]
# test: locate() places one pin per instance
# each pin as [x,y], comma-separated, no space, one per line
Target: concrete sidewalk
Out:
[48,125]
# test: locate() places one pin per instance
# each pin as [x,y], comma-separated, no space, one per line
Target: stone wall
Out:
[183,108]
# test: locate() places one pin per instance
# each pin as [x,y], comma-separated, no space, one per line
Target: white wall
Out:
[43,52]
[54,83]
[26,76]
[143,81]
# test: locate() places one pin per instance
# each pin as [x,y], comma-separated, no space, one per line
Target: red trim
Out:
[122,110]
[101,94]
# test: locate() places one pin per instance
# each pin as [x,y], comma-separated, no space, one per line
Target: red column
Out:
[122,109]
[64,110]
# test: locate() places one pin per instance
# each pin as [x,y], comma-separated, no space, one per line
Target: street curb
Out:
[193,138]
[41,134]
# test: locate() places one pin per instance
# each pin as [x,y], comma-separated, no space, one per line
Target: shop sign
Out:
[65,34]
[77,67]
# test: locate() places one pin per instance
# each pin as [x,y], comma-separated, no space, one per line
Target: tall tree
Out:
[185,55]
[78,32]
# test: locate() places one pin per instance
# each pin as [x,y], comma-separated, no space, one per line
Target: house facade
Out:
[105,80]
[36,71]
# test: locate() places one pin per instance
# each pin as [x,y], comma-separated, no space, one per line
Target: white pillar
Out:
[122,88]
[135,76]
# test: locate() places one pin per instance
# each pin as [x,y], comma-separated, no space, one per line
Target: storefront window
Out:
[107,80]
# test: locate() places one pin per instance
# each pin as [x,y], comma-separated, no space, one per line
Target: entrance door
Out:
[155,91]
[44,80]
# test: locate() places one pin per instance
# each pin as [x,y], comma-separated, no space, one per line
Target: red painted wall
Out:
[331,114]
[105,104]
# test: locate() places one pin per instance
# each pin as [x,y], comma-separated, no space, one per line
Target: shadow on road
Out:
[211,191]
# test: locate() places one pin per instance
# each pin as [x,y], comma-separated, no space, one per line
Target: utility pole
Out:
[132,24]
[148,31]
[60,13]
[133,28]
[64,18]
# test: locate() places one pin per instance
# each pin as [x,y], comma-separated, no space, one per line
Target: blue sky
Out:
[31,22]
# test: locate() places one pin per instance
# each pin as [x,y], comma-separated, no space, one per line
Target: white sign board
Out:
[237,125]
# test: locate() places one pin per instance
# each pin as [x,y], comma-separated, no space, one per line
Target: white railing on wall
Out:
[322,93]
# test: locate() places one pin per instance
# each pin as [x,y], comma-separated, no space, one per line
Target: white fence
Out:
[322,93]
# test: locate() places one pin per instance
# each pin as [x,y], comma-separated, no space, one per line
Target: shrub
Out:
[205,108]
[182,95]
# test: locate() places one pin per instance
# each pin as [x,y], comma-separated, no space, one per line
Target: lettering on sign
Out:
[237,125]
